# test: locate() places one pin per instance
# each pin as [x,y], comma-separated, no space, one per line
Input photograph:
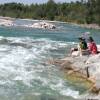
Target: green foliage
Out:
[78,12]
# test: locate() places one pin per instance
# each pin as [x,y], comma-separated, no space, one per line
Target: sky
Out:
[33,1]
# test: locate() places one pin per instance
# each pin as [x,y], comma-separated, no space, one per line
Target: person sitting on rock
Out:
[82,48]
[92,46]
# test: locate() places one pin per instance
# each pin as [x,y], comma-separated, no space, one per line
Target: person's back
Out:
[83,47]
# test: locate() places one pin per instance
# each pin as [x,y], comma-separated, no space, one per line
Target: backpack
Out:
[83,45]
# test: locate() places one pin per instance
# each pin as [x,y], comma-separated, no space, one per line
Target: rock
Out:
[43,25]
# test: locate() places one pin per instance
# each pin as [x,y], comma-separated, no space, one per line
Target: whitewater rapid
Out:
[24,67]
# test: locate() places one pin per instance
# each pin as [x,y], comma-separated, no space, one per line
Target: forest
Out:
[81,12]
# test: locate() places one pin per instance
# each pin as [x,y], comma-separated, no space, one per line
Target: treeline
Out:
[78,12]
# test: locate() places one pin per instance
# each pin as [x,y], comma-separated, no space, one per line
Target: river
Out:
[24,53]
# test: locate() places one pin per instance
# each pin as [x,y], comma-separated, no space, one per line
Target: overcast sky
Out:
[33,1]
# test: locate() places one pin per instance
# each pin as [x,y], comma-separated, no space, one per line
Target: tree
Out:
[78,12]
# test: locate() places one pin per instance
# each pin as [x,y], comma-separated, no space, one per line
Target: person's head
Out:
[81,39]
[90,39]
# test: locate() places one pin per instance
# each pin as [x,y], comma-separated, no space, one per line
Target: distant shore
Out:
[90,26]
[8,20]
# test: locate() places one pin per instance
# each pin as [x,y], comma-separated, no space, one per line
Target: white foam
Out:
[18,63]
[64,90]
[72,93]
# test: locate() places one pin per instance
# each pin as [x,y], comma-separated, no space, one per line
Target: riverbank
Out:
[90,26]
[8,21]
[40,24]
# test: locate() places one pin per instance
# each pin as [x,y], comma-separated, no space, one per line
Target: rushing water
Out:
[24,53]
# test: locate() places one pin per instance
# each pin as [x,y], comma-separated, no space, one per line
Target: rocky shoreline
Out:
[90,26]
[82,69]
[8,21]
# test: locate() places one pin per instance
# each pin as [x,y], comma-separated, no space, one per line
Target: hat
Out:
[81,38]
[87,33]
[90,39]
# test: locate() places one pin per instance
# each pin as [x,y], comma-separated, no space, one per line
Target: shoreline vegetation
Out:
[83,13]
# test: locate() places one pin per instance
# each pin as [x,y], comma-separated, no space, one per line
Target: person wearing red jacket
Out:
[92,46]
